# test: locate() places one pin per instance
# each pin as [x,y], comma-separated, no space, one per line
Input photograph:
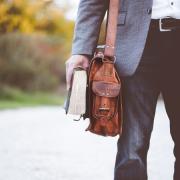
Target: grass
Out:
[14,98]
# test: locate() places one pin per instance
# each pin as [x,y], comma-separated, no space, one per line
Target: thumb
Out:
[86,64]
[69,73]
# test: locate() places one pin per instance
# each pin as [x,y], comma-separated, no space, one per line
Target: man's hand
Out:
[73,62]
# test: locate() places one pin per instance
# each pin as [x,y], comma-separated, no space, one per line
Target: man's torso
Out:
[133,26]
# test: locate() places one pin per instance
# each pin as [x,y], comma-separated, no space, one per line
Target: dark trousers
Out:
[158,72]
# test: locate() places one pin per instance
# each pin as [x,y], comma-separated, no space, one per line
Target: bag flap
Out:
[102,88]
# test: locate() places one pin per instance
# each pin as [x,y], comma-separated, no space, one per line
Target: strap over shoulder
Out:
[111,28]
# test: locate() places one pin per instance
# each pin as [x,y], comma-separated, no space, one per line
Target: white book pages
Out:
[77,103]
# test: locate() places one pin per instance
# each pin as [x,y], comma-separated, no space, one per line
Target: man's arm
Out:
[89,19]
[86,33]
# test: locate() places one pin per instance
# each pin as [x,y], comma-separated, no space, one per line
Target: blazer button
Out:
[149,10]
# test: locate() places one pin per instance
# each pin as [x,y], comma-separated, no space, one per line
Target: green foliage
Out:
[14,98]
[32,62]
[28,16]
[35,41]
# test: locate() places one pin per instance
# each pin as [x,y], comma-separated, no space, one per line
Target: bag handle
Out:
[111,30]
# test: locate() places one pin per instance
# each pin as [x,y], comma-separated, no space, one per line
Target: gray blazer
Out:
[133,26]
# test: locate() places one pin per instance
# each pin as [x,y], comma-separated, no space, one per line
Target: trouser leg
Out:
[172,104]
[133,145]
[170,80]
[171,93]
[140,93]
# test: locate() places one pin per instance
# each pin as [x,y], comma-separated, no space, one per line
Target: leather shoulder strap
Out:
[111,28]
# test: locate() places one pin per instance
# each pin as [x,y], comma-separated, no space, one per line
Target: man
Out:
[148,59]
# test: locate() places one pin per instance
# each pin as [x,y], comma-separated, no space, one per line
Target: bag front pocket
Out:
[105,99]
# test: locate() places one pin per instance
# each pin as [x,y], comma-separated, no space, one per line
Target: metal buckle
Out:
[100,53]
[100,46]
[115,59]
[160,25]
[104,109]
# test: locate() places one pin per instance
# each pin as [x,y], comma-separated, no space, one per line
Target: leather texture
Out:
[133,24]
[167,23]
[111,28]
[104,85]
[104,97]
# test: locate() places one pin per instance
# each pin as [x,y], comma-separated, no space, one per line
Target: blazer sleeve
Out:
[87,27]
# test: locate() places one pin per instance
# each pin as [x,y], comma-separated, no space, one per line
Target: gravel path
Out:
[44,144]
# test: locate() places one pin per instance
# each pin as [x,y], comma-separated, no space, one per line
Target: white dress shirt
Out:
[163,8]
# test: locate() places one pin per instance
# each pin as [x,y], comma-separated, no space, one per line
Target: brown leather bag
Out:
[104,97]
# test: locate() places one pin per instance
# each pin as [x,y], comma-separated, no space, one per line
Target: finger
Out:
[85,64]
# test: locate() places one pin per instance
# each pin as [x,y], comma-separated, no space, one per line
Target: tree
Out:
[29,16]
[35,41]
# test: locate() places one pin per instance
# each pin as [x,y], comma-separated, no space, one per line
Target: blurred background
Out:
[35,41]
[37,140]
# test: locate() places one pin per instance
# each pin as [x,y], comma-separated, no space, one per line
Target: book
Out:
[75,103]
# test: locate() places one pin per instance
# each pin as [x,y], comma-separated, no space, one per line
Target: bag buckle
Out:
[160,25]
[104,109]
[100,52]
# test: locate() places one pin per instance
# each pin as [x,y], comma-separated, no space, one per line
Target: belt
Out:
[165,24]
